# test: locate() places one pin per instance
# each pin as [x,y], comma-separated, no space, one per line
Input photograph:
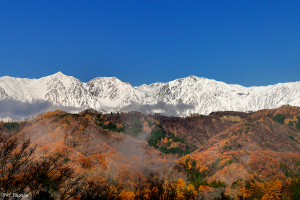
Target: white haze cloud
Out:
[15,109]
[19,110]
[160,107]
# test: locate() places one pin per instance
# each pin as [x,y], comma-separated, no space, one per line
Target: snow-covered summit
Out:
[111,94]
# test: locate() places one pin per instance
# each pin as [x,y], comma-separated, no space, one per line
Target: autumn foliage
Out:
[224,155]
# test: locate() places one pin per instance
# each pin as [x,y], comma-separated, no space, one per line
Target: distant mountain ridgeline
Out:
[223,155]
[22,98]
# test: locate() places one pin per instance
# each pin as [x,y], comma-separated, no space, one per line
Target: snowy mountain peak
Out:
[59,73]
[58,76]
[180,97]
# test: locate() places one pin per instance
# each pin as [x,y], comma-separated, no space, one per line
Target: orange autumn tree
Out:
[21,173]
[165,190]
[264,191]
[15,160]
[50,175]
[193,168]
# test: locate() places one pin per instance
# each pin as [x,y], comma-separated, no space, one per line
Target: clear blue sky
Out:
[250,43]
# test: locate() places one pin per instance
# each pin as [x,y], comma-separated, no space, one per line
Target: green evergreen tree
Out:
[296,189]
[279,118]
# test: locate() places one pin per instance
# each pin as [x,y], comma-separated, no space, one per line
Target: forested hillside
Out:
[224,155]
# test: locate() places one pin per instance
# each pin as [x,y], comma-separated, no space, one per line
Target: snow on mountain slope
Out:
[202,95]
[110,92]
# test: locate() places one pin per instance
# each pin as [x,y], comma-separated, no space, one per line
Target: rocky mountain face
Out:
[183,96]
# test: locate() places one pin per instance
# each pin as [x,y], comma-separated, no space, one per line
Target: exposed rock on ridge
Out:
[110,94]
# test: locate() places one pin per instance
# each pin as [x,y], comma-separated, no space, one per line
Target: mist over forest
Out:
[130,155]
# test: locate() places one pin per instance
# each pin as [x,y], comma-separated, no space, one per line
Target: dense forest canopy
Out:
[224,155]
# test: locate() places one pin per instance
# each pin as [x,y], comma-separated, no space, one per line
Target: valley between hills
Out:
[130,155]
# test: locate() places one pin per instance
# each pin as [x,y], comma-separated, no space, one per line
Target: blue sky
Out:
[250,43]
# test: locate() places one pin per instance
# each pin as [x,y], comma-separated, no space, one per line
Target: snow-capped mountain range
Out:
[180,97]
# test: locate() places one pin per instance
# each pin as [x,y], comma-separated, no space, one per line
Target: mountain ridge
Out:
[182,96]
[224,150]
